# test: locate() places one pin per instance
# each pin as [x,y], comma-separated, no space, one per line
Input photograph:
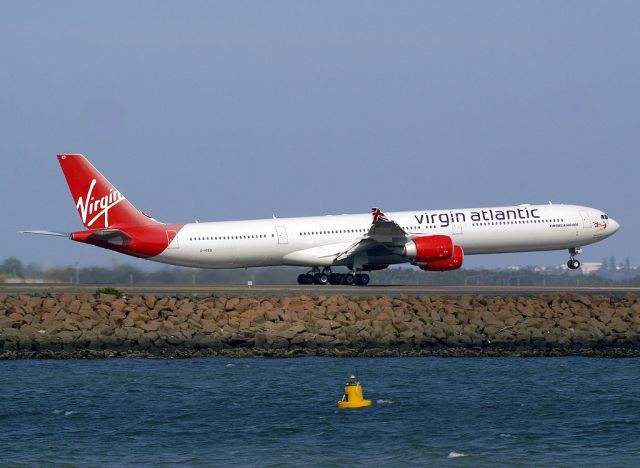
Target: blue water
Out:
[282,412]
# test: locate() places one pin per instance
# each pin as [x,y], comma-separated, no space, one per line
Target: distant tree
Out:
[605,263]
[612,263]
[627,264]
[12,266]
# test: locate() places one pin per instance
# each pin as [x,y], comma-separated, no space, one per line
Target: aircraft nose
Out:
[614,225]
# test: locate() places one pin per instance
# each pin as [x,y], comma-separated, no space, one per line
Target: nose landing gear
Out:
[574,263]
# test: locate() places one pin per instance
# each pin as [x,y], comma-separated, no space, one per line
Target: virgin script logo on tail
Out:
[89,206]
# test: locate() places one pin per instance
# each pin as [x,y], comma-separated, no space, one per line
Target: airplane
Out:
[433,240]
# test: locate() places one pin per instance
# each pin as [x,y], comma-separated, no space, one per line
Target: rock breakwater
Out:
[86,325]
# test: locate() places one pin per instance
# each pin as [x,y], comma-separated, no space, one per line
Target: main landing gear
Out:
[315,276]
[325,276]
[574,263]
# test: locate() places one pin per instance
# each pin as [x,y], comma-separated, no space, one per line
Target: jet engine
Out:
[452,263]
[429,249]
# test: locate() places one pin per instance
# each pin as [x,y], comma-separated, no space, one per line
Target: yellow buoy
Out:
[353,397]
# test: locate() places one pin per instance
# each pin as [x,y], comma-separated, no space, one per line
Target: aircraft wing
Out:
[385,237]
[383,233]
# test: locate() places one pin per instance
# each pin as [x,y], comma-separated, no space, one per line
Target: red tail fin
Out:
[99,203]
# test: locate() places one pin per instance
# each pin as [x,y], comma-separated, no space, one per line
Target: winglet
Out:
[378,215]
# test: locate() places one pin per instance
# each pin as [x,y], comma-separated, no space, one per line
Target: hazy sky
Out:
[237,110]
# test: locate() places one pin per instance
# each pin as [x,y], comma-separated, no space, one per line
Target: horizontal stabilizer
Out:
[47,233]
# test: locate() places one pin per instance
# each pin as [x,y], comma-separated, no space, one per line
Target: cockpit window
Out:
[604,216]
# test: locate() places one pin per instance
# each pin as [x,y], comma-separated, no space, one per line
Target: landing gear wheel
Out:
[320,278]
[573,264]
[334,278]
[349,279]
[302,279]
[362,279]
[308,278]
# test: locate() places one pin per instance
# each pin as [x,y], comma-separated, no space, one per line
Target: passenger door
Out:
[281,232]
[456,228]
[586,220]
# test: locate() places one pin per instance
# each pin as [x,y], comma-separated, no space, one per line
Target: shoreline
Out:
[88,354]
[90,326]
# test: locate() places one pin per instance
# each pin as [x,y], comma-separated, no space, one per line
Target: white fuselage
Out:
[316,241]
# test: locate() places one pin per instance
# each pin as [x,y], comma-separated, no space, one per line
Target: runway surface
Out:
[313,290]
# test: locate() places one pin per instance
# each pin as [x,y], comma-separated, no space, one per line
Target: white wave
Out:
[230,365]
[456,455]
[69,413]
[384,402]
[507,436]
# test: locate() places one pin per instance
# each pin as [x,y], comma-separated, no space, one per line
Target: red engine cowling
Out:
[452,263]
[429,248]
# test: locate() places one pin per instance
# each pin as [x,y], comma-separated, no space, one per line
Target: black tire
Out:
[364,279]
[573,264]
[302,279]
[349,279]
[308,278]
[320,278]
[334,278]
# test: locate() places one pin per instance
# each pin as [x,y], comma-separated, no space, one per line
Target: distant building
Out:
[16,280]
[590,267]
